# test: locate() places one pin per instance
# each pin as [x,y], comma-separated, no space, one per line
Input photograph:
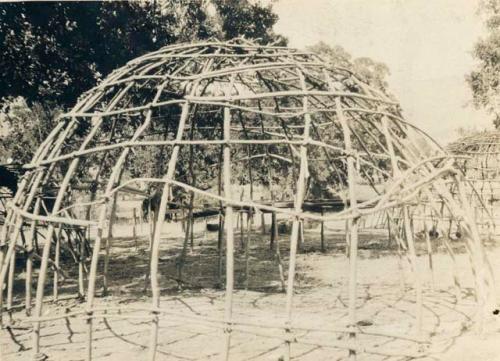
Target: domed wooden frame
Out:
[305,107]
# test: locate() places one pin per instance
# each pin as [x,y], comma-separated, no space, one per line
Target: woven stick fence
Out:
[220,114]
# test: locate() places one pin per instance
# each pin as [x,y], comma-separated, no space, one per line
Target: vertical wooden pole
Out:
[323,249]
[352,226]
[275,242]
[301,235]
[29,261]
[115,177]
[155,247]
[262,219]
[220,232]
[190,224]
[205,229]
[449,249]
[450,225]
[88,215]
[429,253]
[3,246]
[280,266]
[134,229]
[392,223]
[389,233]
[107,250]
[347,237]
[152,221]
[478,256]
[250,216]
[187,235]
[229,234]
[456,280]
[294,237]
[81,263]
[57,253]
[416,274]
[109,239]
[191,234]
[10,283]
[184,221]
[71,246]
[141,221]
[274,239]
[353,254]
[247,247]
[274,230]
[242,238]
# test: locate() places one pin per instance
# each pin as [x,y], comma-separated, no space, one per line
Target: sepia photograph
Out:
[250,180]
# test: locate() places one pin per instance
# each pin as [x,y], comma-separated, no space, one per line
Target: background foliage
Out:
[483,80]
[53,52]
[370,71]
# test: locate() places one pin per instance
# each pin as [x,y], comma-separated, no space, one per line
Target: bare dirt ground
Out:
[188,331]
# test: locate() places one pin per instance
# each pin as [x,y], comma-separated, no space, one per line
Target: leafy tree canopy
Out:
[25,128]
[54,51]
[483,80]
[370,71]
[248,19]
